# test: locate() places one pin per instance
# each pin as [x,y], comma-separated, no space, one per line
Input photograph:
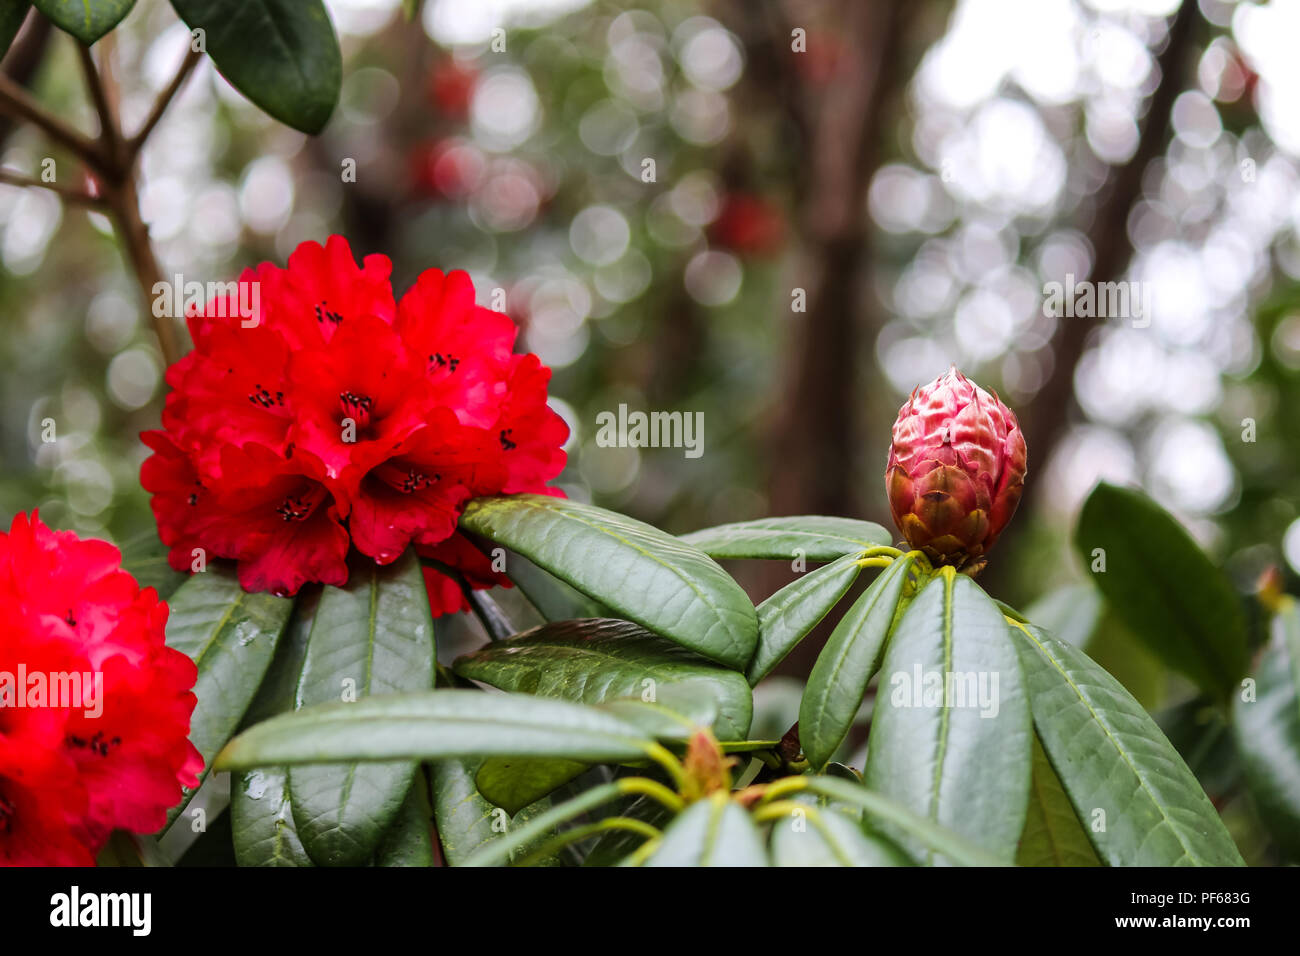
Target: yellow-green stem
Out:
[654,790]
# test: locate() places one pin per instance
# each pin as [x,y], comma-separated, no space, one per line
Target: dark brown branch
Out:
[112,158]
[24,57]
[81,197]
[123,199]
[109,136]
[16,102]
[164,100]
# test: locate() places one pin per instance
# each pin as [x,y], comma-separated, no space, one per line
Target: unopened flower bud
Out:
[956,470]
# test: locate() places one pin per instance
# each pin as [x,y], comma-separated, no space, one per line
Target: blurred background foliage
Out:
[654,186]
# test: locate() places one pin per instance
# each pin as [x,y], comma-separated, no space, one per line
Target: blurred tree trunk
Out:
[816,427]
[835,107]
[1046,419]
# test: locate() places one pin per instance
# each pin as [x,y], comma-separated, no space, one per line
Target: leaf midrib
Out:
[837,665]
[216,631]
[1096,716]
[942,743]
[676,572]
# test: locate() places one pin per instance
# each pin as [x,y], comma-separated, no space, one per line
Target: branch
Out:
[112,159]
[16,102]
[24,56]
[79,196]
[124,200]
[136,142]
[109,134]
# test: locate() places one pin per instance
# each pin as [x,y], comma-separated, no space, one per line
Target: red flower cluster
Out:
[330,413]
[94,707]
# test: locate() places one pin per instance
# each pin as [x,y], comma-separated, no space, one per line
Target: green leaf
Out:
[11,19]
[1115,765]
[1164,587]
[1268,732]
[514,845]
[281,54]
[231,636]
[371,638]
[262,820]
[1114,649]
[846,664]
[960,758]
[466,822]
[595,660]
[1199,730]
[513,783]
[87,20]
[829,837]
[436,725]
[554,600]
[887,813]
[786,617]
[715,831]
[1053,835]
[810,537]
[677,711]
[1069,614]
[616,845]
[409,841]
[636,570]
[261,815]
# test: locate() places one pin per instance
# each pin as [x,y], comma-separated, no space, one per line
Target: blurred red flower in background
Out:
[446,168]
[116,756]
[330,415]
[451,87]
[748,225]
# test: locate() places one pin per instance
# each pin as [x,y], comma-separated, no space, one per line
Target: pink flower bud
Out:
[956,470]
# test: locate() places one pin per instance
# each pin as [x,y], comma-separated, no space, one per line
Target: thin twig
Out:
[124,200]
[16,102]
[137,141]
[112,160]
[109,134]
[79,196]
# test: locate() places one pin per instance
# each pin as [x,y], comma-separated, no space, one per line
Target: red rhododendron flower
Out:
[473,566]
[94,707]
[316,413]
